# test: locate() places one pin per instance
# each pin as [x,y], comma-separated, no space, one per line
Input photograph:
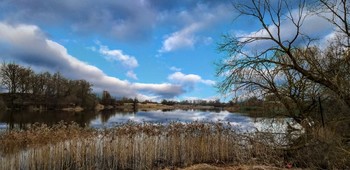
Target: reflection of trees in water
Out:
[169,110]
[191,109]
[105,115]
[21,119]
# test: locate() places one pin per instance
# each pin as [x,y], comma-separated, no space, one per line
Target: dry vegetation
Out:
[147,146]
[130,146]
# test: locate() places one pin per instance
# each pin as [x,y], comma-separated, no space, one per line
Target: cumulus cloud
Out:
[180,39]
[118,19]
[127,61]
[135,20]
[131,74]
[200,18]
[119,56]
[123,20]
[173,68]
[188,79]
[181,78]
[28,45]
[166,90]
[208,99]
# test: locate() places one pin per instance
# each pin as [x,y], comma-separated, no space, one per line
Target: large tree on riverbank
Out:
[283,60]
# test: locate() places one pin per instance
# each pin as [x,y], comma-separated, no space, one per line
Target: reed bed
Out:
[133,146]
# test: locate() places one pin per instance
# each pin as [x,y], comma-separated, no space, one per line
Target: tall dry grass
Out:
[131,146]
[321,148]
[151,146]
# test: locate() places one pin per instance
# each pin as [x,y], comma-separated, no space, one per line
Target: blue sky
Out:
[149,49]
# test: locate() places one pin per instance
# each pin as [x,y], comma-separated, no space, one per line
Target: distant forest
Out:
[22,87]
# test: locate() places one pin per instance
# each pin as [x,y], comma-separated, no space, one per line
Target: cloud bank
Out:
[201,18]
[127,21]
[27,44]
[132,20]
[188,80]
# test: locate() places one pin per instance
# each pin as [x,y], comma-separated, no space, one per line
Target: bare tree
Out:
[269,61]
[45,88]
[10,77]
[287,65]
[336,12]
[25,80]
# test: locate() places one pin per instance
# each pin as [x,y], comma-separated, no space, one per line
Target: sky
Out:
[149,49]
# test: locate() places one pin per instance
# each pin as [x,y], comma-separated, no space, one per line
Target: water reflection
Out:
[21,119]
[185,116]
[111,118]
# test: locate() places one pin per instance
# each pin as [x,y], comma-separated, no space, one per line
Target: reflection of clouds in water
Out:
[3,125]
[277,125]
[242,122]
[234,119]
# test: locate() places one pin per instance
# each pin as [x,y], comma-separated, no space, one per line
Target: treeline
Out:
[199,102]
[107,99]
[23,87]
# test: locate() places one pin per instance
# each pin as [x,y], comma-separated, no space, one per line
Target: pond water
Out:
[110,118]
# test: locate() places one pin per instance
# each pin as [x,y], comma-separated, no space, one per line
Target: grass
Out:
[137,146]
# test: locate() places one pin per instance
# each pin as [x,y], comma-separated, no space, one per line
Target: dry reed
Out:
[135,146]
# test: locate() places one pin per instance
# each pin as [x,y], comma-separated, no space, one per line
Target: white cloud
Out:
[129,62]
[208,82]
[142,97]
[207,40]
[201,18]
[119,56]
[131,21]
[180,39]
[92,48]
[211,98]
[131,74]
[27,44]
[188,79]
[115,19]
[173,68]
[181,78]
[166,90]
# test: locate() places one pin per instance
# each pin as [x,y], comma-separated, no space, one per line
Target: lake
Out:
[108,119]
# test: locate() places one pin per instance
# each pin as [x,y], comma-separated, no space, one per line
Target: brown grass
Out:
[139,146]
[225,167]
